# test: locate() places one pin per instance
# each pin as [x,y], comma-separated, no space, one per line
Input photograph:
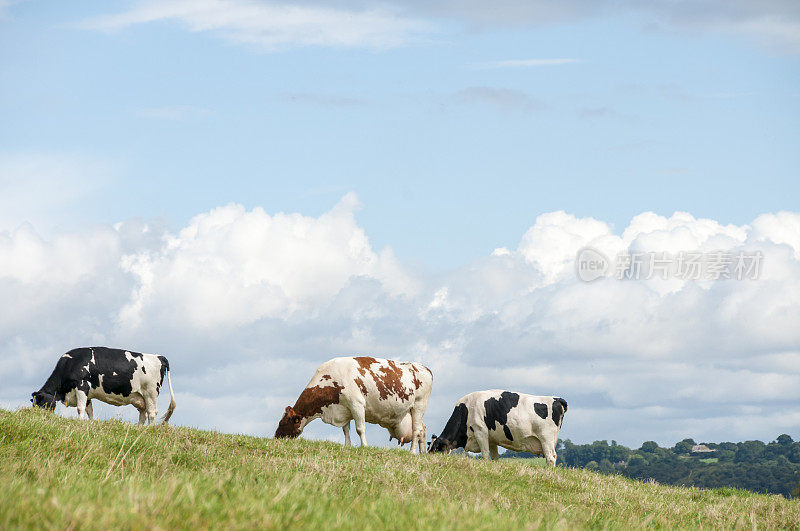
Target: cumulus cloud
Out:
[247,303]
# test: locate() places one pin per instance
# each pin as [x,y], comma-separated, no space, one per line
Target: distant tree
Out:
[618,453]
[784,440]
[796,491]
[794,455]
[649,447]
[725,455]
[684,447]
[749,451]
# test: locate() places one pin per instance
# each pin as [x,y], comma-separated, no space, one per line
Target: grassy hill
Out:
[56,472]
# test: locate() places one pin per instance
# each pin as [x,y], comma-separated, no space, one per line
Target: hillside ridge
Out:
[62,473]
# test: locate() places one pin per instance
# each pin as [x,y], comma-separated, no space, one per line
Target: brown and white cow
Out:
[390,393]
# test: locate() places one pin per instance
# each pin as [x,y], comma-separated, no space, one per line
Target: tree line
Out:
[752,465]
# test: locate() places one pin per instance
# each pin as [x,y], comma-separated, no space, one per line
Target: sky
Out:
[251,188]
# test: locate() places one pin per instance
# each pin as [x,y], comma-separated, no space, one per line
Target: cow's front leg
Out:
[80,403]
[142,416]
[483,444]
[549,451]
[346,430]
[493,452]
[89,410]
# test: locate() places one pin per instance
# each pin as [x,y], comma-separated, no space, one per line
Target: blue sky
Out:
[450,156]
[251,187]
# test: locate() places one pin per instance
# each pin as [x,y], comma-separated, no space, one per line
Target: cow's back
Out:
[387,389]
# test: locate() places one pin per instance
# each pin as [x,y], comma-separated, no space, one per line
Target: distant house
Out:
[700,448]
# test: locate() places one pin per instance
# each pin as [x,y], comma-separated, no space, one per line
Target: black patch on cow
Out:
[471,429]
[508,433]
[454,434]
[559,408]
[164,366]
[540,409]
[497,409]
[109,361]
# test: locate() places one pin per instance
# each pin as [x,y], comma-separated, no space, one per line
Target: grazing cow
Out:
[385,392]
[117,377]
[484,420]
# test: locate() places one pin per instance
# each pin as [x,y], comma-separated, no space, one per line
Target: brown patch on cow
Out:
[416,381]
[313,399]
[360,383]
[388,378]
[363,364]
[390,382]
[326,376]
[309,403]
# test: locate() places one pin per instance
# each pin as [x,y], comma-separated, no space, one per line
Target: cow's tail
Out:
[171,408]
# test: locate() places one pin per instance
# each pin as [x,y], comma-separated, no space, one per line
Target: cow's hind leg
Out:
[361,425]
[151,408]
[417,430]
[138,402]
[89,410]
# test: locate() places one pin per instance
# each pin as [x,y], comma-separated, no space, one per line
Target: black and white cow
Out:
[484,420]
[117,377]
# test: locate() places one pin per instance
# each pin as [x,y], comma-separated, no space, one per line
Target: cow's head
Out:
[440,444]
[44,400]
[289,426]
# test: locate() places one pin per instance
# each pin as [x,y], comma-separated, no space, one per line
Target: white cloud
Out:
[246,304]
[272,25]
[231,267]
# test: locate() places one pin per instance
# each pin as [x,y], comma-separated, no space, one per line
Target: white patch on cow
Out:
[66,356]
[93,362]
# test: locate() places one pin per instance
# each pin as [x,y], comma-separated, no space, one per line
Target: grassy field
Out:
[62,473]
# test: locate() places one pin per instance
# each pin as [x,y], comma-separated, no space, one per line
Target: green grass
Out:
[62,473]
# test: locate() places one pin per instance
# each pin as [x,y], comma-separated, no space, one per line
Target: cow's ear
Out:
[289,410]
